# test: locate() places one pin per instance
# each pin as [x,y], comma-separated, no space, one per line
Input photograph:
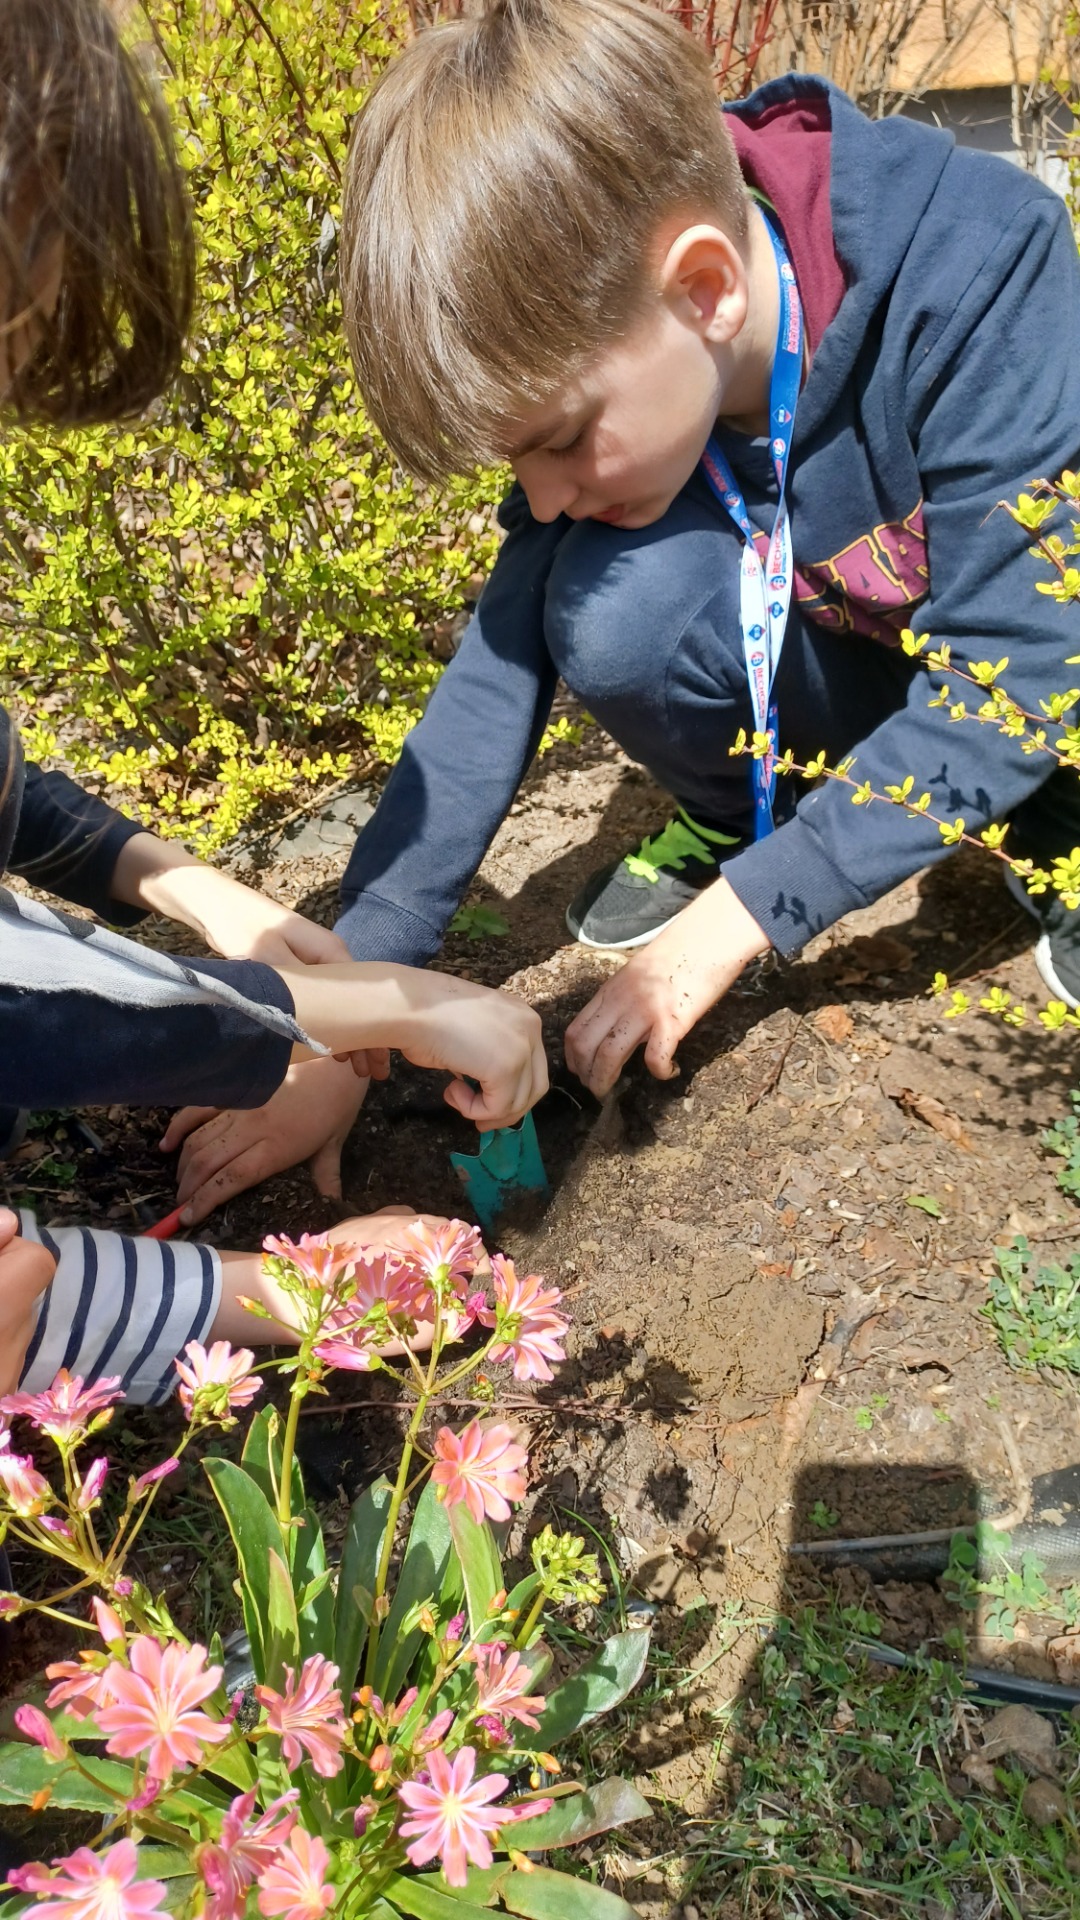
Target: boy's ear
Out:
[704,280]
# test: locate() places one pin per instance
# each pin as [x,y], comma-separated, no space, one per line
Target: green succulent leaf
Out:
[356,1580]
[595,1688]
[480,1565]
[614,1803]
[422,1571]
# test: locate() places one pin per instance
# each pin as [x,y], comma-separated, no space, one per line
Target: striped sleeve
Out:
[120,1306]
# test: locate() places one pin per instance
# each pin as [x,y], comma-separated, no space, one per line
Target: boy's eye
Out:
[560,453]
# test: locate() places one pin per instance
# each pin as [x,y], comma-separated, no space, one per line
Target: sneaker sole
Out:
[1045,963]
[615,946]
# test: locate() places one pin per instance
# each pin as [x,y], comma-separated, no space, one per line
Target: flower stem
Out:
[396,1499]
[288,1448]
[532,1620]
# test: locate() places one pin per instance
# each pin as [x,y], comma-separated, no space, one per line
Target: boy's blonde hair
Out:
[506,183]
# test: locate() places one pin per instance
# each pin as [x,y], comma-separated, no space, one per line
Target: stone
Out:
[331,829]
[1044,1802]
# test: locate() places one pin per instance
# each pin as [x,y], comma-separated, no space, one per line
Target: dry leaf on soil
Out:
[834,1023]
[934,1113]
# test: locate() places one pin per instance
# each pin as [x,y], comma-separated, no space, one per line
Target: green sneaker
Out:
[629,902]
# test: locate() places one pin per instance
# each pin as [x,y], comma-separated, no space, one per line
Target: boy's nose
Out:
[548,495]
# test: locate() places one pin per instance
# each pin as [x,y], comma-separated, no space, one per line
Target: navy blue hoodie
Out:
[942,290]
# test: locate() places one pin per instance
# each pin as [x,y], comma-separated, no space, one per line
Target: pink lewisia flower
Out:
[80,1687]
[386,1295]
[293,1885]
[91,1886]
[435,1731]
[501,1680]
[493,1729]
[525,1311]
[65,1409]
[314,1255]
[244,1851]
[450,1814]
[221,1377]
[92,1482]
[308,1716]
[351,1349]
[32,1722]
[482,1466]
[26,1489]
[383,1280]
[447,1253]
[456,1320]
[153,1707]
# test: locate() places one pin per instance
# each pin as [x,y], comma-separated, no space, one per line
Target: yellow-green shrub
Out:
[231,600]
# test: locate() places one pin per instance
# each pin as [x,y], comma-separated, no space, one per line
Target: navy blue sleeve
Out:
[80,1049]
[993,404]
[462,765]
[67,842]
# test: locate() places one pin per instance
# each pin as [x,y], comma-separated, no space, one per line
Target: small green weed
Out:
[1010,1591]
[479,923]
[926,1203]
[1064,1139]
[865,1416]
[1035,1310]
[823,1517]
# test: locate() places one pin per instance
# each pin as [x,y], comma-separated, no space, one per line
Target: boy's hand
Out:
[225,1151]
[26,1269]
[477,1034]
[436,1021]
[664,990]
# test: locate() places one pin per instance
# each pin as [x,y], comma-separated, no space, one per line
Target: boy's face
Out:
[622,441]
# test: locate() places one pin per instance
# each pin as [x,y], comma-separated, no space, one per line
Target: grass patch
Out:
[836,1791]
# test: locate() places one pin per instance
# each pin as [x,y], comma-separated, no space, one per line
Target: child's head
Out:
[520,187]
[96,256]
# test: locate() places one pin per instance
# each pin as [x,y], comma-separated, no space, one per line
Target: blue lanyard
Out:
[765,588]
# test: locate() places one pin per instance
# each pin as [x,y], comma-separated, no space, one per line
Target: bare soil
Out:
[767,1331]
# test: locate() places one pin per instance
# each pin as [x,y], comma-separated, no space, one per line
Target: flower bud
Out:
[109,1624]
[155,1474]
[33,1723]
[93,1481]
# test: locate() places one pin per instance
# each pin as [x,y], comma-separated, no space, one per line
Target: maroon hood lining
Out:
[784,151]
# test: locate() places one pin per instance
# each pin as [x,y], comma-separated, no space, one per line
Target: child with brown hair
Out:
[762,374]
[95,295]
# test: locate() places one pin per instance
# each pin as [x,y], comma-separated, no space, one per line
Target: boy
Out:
[558,250]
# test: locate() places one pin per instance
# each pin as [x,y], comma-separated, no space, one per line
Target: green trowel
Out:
[507,1165]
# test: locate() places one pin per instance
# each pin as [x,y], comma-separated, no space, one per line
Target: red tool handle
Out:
[164,1229]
